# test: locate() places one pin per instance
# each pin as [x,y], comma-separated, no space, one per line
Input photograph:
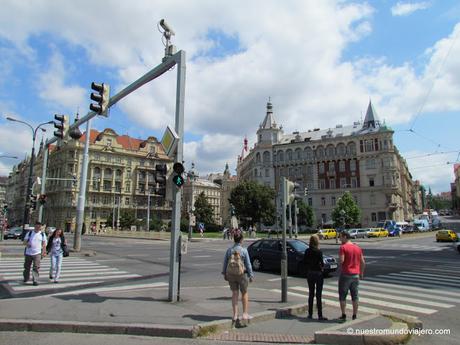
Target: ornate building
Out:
[121,176]
[360,158]
[227,183]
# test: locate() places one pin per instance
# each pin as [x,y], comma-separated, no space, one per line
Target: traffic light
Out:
[5,208]
[59,126]
[289,191]
[42,199]
[33,201]
[305,191]
[178,179]
[101,97]
[160,178]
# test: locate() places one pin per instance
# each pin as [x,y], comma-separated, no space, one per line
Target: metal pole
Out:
[148,211]
[295,219]
[113,212]
[284,248]
[189,220]
[290,221]
[118,212]
[82,191]
[175,226]
[29,184]
[43,186]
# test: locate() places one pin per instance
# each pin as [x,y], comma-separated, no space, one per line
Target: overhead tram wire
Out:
[432,84]
[434,154]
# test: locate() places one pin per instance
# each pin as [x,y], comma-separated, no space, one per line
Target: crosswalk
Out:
[422,292]
[435,247]
[75,272]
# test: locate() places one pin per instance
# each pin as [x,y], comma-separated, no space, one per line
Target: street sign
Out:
[192,220]
[183,245]
[169,141]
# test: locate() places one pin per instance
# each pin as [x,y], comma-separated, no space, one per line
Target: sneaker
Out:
[322,318]
[56,281]
[35,283]
[354,317]
[309,316]
[343,317]
[24,281]
[51,277]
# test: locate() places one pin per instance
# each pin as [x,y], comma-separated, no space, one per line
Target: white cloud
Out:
[52,88]
[407,8]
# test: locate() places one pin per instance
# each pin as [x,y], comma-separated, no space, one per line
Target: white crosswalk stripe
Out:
[408,292]
[412,247]
[75,272]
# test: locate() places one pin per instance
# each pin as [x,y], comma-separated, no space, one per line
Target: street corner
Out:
[372,329]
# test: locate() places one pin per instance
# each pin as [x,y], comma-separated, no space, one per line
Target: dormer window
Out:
[109,142]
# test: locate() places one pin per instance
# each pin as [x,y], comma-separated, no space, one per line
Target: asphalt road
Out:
[398,270]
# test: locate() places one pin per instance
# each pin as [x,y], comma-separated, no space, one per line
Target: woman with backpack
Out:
[56,245]
[314,265]
[237,270]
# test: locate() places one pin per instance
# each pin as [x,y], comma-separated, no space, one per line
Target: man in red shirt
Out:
[352,270]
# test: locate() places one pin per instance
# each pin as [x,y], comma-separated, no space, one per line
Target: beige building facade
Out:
[121,177]
[360,158]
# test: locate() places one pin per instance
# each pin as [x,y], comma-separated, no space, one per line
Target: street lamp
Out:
[6,156]
[31,168]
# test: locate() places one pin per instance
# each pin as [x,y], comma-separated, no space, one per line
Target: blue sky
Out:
[319,61]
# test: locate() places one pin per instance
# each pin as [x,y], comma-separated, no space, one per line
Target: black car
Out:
[265,254]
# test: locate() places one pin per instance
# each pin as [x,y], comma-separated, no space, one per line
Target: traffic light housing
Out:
[160,178]
[42,199]
[290,191]
[33,201]
[178,179]
[59,125]
[101,97]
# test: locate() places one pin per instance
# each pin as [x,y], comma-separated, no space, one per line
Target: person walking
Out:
[35,242]
[237,270]
[352,270]
[55,246]
[315,266]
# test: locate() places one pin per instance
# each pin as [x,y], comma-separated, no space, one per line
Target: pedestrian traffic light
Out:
[101,97]
[42,199]
[59,126]
[305,191]
[160,178]
[5,208]
[33,201]
[178,179]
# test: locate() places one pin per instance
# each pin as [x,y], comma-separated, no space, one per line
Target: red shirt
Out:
[352,258]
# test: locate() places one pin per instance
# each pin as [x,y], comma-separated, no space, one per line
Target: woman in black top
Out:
[314,265]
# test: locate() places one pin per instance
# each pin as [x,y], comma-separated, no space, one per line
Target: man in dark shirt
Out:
[314,264]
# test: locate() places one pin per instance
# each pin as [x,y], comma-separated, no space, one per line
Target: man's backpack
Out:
[235,266]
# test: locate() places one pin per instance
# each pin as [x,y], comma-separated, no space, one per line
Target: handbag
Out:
[65,251]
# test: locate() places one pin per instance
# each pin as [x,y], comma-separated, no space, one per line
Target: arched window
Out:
[341,150]
[298,154]
[308,154]
[320,152]
[255,172]
[107,173]
[330,151]
[351,149]
[258,157]
[266,157]
[280,156]
[289,155]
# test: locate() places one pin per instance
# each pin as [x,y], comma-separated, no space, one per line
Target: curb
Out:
[401,334]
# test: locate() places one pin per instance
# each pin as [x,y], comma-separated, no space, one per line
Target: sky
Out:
[319,61]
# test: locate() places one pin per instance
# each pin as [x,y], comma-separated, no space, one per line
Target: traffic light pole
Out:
[82,192]
[175,226]
[43,185]
[284,248]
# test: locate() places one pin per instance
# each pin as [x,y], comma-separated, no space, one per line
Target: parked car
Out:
[358,233]
[436,224]
[13,233]
[421,225]
[325,234]
[446,235]
[377,232]
[265,254]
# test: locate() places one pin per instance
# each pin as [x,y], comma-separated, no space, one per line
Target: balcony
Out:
[393,206]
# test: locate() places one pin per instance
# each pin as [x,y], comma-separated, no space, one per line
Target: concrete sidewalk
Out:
[202,312]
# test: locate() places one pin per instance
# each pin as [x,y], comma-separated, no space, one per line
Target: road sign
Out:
[169,141]
[192,220]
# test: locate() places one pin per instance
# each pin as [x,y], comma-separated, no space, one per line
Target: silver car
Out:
[358,233]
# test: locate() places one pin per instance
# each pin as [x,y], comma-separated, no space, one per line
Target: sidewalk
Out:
[202,312]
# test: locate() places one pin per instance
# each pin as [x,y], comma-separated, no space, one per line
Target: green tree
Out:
[203,210]
[305,216]
[346,211]
[254,203]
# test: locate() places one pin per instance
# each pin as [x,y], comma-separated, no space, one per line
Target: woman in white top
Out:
[55,245]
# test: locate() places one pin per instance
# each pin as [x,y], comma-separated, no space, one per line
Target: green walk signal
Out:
[178,181]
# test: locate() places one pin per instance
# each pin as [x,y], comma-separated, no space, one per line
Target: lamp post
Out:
[7,156]
[31,168]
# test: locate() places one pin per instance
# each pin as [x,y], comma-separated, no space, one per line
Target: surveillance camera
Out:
[166,27]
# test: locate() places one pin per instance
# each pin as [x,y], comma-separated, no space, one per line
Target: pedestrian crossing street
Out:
[422,292]
[75,272]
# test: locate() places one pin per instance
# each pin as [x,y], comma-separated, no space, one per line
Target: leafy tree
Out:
[203,209]
[346,211]
[305,216]
[253,203]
